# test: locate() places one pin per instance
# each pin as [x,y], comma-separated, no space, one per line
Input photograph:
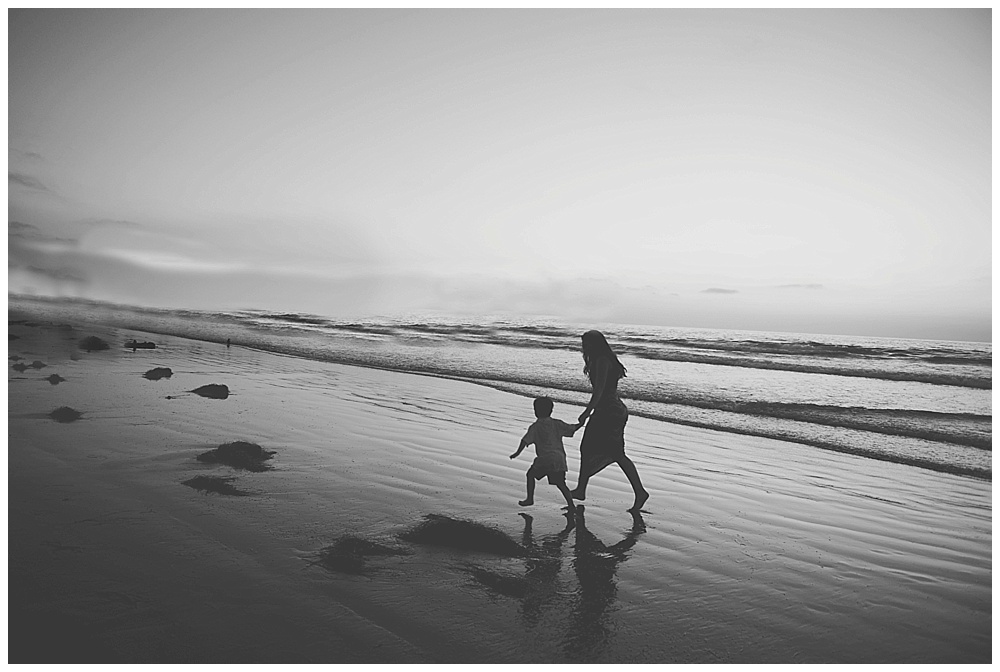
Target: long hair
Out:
[596,346]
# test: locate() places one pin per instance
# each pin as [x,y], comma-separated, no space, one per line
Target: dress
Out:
[603,440]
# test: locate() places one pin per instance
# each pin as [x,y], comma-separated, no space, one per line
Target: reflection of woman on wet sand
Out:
[596,568]
[604,439]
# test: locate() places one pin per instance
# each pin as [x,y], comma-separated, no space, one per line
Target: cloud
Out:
[168,261]
[116,223]
[24,231]
[718,290]
[58,274]
[26,181]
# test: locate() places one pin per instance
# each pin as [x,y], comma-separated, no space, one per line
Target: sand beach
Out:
[380,524]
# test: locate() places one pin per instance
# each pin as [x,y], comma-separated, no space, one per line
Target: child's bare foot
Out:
[640,499]
[569,508]
[577,494]
[527,502]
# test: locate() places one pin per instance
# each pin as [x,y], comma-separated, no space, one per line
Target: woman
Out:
[604,439]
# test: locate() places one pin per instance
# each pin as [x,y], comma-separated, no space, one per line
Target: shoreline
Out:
[751,550]
[951,453]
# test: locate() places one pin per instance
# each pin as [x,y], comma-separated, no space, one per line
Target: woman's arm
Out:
[600,380]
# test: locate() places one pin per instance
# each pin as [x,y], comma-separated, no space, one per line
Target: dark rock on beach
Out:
[65,414]
[55,379]
[213,391]
[37,365]
[239,454]
[158,373]
[349,553]
[140,345]
[92,343]
[20,368]
[467,535]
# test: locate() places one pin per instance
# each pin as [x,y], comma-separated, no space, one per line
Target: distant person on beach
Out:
[227,342]
[604,439]
[550,457]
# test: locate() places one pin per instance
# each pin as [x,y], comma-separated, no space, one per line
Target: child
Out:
[550,457]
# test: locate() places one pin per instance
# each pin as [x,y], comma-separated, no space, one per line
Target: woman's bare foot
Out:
[527,502]
[577,494]
[640,499]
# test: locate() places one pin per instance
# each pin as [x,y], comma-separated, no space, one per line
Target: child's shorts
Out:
[538,471]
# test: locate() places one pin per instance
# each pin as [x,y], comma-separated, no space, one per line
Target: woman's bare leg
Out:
[628,466]
[580,491]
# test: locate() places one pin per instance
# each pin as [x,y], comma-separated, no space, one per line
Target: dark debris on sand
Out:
[217,484]
[55,379]
[239,454]
[437,530]
[213,391]
[349,553]
[158,373]
[65,414]
[92,343]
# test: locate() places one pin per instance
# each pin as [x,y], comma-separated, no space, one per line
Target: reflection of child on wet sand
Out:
[550,457]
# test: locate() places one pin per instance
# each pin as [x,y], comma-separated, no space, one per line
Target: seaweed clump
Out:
[217,484]
[55,379]
[65,414]
[213,391]
[92,343]
[240,455]
[437,530]
[348,554]
[158,373]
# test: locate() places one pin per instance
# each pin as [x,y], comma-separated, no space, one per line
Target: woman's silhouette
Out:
[604,438]
[596,566]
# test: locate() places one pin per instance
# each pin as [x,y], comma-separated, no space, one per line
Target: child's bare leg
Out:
[580,492]
[568,495]
[530,499]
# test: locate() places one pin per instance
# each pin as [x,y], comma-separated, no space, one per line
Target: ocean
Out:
[917,402]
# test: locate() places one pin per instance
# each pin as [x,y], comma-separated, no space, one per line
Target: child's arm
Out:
[519,449]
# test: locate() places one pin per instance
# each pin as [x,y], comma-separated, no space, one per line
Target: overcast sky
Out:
[796,170]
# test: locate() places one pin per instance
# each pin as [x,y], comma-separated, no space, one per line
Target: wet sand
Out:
[125,547]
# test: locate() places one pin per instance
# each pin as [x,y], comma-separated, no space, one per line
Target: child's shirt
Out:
[546,434]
